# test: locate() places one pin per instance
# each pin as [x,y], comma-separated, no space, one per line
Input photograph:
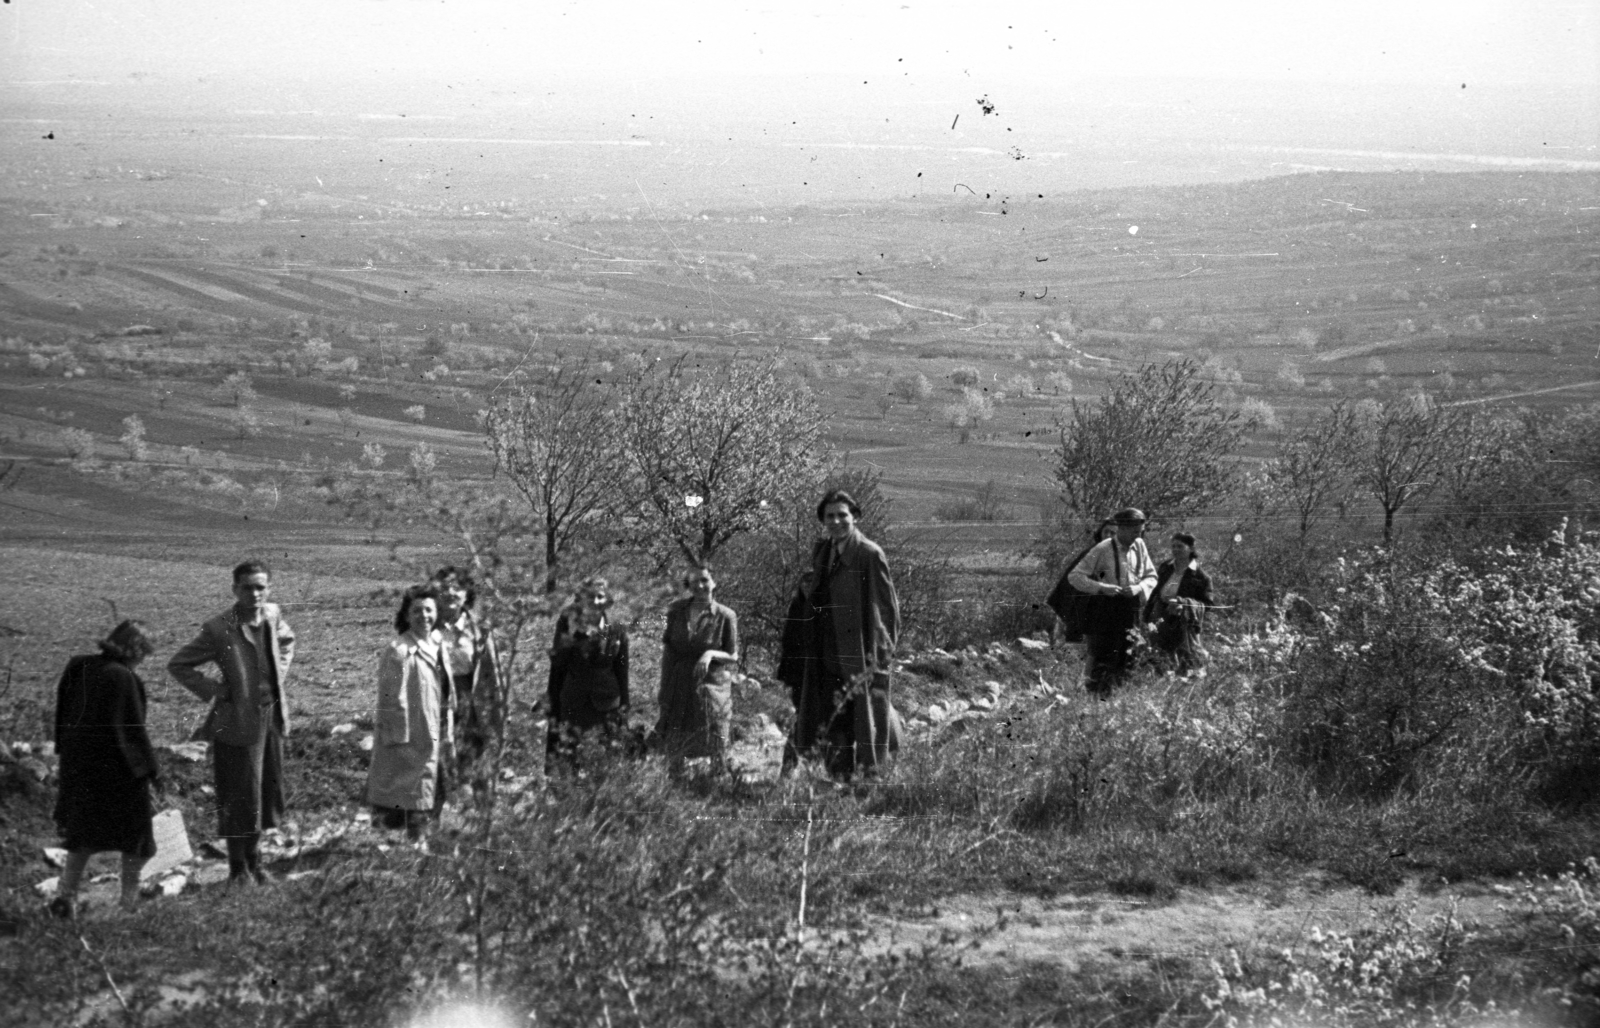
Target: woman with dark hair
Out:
[699,652]
[469,652]
[845,711]
[413,746]
[588,671]
[1177,606]
[108,768]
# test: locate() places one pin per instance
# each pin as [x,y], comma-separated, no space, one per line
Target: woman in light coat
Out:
[414,742]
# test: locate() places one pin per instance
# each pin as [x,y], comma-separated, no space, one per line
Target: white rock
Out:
[1036,645]
[48,887]
[173,885]
[55,857]
[992,687]
[190,751]
[983,703]
[366,743]
[935,712]
[344,729]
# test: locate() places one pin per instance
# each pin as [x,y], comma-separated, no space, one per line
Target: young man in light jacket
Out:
[252,647]
[1119,571]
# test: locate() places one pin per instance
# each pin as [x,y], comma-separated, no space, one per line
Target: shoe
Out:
[64,907]
[241,880]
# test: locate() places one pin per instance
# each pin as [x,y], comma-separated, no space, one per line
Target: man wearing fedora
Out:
[1119,572]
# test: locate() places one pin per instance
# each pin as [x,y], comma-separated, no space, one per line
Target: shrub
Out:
[132,438]
[78,444]
[912,388]
[964,377]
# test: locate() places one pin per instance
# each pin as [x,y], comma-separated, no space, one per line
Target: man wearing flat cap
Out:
[1119,572]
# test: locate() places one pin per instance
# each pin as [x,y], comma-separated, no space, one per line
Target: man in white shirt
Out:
[1120,572]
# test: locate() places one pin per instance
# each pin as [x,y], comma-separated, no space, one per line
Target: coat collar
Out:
[268,614]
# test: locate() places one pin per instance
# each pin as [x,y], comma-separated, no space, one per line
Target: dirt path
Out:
[1007,930]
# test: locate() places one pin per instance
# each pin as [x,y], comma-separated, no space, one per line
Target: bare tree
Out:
[714,451]
[1159,439]
[560,446]
[1315,464]
[1406,444]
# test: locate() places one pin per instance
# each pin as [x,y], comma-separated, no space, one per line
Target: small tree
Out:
[132,438]
[417,412]
[560,445]
[1159,439]
[973,407]
[712,452]
[1059,382]
[245,423]
[237,389]
[79,444]
[422,465]
[373,455]
[1406,442]
[1315,464]
[964,377]
[912,388]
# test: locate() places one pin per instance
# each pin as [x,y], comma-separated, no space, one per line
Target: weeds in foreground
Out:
[1397,973]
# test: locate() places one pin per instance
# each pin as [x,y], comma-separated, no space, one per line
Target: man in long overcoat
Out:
[252,647]
[845,709]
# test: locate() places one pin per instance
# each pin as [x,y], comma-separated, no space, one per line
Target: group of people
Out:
[439,688]
[1127,592]
[439,694]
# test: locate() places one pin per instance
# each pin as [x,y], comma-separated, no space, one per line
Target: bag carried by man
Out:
[1084,613]
[1072,606]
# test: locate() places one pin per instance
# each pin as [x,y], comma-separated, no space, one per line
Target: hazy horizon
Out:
[624,105]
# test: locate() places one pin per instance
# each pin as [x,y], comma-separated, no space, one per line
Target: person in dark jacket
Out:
[588,686]
[1177,607]
[108,768]
[796,651]
[846,710]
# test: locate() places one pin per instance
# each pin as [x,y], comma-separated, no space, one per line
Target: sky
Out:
[836,98]
[1427,42]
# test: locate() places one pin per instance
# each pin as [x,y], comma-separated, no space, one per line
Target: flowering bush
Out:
[1421,673]
[1396,973]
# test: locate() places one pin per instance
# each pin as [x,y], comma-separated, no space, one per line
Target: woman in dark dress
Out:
[1177,605]
[588,672]
[699,651]
[108,768]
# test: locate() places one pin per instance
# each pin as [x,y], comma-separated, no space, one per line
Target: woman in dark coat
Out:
[108,768]
[699,650]
[846,713]
[588,686]
[1177,606]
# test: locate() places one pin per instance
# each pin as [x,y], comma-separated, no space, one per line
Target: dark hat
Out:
[1129,516]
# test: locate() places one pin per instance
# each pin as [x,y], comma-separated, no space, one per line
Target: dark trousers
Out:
[249,782]
[1181,639]
[1108,656]
[849,732]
